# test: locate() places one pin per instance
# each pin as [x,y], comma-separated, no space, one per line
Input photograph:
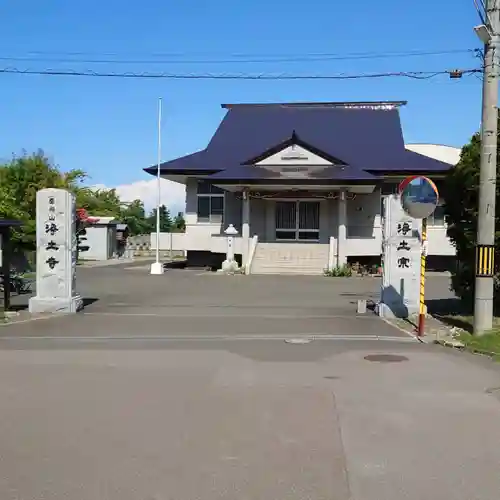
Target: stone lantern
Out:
[230,265]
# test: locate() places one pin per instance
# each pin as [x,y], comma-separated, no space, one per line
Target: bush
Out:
[339,271]
[461,195]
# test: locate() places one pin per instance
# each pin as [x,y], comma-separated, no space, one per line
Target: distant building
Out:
[101,239]
[448,154]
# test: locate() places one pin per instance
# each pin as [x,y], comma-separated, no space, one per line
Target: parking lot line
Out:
[250,316]
[208,337]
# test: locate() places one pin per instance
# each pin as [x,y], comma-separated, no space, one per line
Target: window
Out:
[389,188]
[437,219]
[210,202]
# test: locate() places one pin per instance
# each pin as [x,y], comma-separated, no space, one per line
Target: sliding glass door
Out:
[297,220]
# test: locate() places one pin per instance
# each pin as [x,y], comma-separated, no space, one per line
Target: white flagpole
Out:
[157,266]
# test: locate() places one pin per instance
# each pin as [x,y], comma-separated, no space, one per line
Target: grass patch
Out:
[30,275]
[464,322]
[488,343]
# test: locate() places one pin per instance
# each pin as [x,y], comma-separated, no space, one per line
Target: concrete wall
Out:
[195,241]
[364,233]
[439,243]
[258,219]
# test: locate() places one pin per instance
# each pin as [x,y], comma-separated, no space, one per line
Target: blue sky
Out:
[108,126]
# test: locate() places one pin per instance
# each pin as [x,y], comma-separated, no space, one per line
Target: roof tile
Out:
[364,138]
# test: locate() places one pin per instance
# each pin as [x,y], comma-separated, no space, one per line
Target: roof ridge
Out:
[320,104]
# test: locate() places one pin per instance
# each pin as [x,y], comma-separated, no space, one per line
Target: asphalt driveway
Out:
[176,411]
[125,301]
[256,420]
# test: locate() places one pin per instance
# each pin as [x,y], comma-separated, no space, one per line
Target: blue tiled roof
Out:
[364,138]
[415,162]
[240,172]
[250,173]
[189,163]
[345,173]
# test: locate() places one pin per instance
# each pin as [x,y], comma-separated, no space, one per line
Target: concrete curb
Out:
[456,344]
[108,263]
[450,342]
[9,322]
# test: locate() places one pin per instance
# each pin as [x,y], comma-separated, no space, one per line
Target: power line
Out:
[481,11]
[252,54]
[244,59]
[417,75]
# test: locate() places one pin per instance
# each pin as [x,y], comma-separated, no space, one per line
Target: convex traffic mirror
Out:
[419,196]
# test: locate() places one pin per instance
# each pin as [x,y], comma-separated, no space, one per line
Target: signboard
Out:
[55,253]
[405,248]
[401,261]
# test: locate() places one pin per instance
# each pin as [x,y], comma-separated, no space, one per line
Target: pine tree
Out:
[179,223]
[165,220]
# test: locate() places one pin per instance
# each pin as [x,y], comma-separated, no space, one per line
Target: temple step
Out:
[290,258]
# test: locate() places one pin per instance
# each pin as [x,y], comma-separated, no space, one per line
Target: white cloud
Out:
[173,194]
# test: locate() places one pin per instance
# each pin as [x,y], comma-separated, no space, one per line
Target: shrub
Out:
[461,195]
[339,271]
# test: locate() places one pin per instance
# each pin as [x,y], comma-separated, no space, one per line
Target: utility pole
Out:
[485,247]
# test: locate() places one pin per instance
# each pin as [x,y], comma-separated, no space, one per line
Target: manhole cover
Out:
[386,358]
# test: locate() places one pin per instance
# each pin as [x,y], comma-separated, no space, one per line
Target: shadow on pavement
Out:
[20,303]
[450,311]
[175,264]
[87,301]
[451,306]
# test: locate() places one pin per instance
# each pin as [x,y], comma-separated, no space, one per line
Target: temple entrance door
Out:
[297,220]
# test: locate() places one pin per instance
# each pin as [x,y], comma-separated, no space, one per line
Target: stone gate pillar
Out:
[400,292]
[55,253]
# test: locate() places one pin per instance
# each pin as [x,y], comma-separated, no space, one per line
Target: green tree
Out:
[134,215]
[8,206]
[461,194]
[179,224]
[20,179]
[165,220]
[104,202]
[24,175]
